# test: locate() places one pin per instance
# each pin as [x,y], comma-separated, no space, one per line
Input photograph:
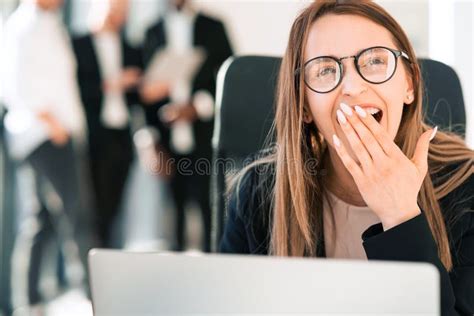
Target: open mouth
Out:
[376,113]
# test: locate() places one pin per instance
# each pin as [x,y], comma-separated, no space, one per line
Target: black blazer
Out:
[209,34]
[248,227]
[90,81]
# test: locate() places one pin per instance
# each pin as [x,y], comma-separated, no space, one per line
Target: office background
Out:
[440,30]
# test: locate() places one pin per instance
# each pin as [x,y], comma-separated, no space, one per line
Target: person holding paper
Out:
[182,108]
[108,74]
[356,173]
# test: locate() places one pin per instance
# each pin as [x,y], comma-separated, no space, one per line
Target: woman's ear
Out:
[409,97]
[410,93]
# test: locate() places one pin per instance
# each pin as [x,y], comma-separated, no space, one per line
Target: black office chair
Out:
[443,99]
[244,115]
[245,112]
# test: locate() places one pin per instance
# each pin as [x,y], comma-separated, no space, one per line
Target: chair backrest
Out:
[245,104]
[443,99]
[245,113]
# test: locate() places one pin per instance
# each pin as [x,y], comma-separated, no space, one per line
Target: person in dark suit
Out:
[356,173]
[181,30]
[108,73]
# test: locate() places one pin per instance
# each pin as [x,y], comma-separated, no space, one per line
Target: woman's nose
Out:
[352,83]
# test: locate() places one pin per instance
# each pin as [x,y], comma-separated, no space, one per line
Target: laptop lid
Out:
[127,283]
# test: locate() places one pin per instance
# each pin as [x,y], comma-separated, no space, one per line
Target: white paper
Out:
[172,66]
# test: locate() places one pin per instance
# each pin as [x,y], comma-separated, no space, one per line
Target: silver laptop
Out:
[127,283]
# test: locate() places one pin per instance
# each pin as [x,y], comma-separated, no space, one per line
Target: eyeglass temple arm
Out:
[403,54]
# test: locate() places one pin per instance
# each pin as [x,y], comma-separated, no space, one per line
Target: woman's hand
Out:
[388,181]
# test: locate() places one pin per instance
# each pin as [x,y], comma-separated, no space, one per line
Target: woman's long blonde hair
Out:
[297,197]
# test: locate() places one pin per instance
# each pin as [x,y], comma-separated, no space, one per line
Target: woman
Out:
[355,172]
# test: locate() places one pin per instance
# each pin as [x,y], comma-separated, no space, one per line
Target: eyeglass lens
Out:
[375,65]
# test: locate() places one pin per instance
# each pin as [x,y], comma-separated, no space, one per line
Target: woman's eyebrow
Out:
[357,52]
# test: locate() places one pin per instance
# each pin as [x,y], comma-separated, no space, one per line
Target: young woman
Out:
[355,172]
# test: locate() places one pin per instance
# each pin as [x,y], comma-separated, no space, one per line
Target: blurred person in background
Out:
[181,30]
[45,128]
[108,73]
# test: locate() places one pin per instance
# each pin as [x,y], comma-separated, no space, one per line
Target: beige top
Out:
[350,221]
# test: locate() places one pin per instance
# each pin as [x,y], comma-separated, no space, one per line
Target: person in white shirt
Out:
[108,73]
[45,122]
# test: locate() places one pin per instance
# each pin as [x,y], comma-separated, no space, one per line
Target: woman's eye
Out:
[374,62]
[326,71]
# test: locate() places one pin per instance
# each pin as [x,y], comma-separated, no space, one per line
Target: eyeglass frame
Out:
[396,54]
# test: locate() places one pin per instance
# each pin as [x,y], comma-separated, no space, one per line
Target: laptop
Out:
[128,283]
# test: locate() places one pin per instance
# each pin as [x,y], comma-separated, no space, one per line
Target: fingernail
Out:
[336,140]
[346,109]
[341,118]
[360,111]
[434,133]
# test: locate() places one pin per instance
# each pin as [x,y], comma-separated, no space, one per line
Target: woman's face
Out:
[347,35]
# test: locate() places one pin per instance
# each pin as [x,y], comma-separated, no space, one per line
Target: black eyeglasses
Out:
[375,65]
